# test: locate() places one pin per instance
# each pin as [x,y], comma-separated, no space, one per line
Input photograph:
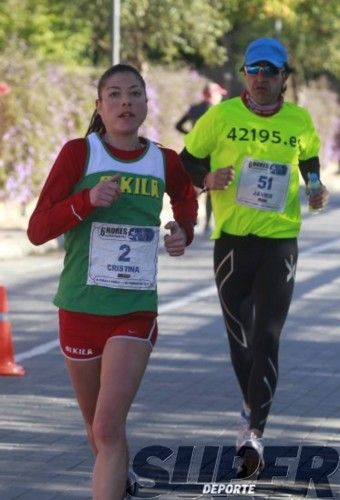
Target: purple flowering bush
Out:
[48,105]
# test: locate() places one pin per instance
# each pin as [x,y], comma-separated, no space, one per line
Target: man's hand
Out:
[319,200]
[105,192]
[175,241]
[219,179]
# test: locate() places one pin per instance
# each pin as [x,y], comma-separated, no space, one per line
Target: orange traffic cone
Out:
[7,364]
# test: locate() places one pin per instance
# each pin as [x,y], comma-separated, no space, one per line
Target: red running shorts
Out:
[83,336]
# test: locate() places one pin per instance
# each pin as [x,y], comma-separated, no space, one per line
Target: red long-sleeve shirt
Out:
[58,209]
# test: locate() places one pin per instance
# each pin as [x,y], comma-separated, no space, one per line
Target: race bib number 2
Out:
[264,185]
[123,256]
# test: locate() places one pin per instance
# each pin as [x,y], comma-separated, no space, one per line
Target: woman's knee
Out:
[106,431]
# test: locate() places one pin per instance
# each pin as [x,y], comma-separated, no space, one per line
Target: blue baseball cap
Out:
[266,49]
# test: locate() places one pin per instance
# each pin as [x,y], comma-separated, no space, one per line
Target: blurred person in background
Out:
[4,88]
[212,94]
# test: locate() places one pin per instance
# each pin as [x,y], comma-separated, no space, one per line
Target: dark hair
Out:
[289,70]
[96,124]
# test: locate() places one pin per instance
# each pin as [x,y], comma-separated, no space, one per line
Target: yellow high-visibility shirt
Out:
[265,152]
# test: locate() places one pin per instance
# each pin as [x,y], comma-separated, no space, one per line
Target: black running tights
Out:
[255,280]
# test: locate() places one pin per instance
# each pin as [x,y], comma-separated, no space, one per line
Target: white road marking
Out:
[37,351]
[320,248]
[175,304]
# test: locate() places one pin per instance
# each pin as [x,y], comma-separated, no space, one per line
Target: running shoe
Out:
[250,458]
[243,432]
[134,482]
[131,488]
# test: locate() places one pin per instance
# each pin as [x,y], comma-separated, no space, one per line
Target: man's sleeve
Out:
[197,168]
[201,139]
[312,165]
[310,140]
[199,143]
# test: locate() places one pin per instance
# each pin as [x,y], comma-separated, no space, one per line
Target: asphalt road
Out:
[189,401]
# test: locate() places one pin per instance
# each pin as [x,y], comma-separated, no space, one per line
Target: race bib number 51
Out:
[123,256]
[264,185]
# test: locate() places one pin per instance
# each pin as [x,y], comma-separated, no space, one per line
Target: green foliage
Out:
[168,31]
[172,30]
[76,32]
[48,104]
[313,37]
[47,46]
[310,30]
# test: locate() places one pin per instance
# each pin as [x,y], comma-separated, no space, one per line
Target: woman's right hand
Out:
[219,179]
[105,192]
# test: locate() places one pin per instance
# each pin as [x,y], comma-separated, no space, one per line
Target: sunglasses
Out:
[267,70]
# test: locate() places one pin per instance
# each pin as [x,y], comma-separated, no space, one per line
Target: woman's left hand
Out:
[175,242]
